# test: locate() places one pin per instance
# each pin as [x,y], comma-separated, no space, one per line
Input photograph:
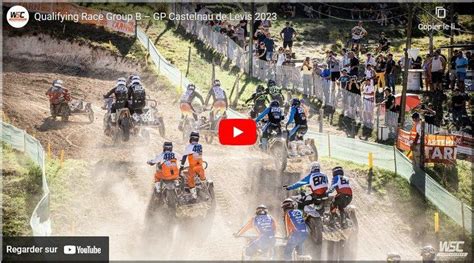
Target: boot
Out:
[332,221]
[113,117]
[343,219]
[293,151]
[300,148]
[193,193]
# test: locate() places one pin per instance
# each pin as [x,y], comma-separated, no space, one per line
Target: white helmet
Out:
[121,81]
[191,86]
[135,81]
[314,167]
[135,77]
[58,83]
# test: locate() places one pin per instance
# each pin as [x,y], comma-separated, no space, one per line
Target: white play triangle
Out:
[237,132]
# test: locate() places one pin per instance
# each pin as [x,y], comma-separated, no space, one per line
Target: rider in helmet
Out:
[132,78]
[136,95]
[166,166]
[298,115]
[265,226]
[186,103]
[120,93]
[193,153]
[295,227]
[275,92]
[393,257]
[343,198]
[428,254]
[275,116]
[220,103]
[259,98]
[317,181]
[57,94]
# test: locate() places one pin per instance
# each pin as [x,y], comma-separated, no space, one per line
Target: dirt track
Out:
[115,199]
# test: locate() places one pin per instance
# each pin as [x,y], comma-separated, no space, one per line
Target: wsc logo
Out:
[17,16]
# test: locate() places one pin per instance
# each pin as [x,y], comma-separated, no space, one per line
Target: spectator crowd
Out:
[372,75]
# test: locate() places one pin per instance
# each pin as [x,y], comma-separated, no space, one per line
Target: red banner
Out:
[438,148]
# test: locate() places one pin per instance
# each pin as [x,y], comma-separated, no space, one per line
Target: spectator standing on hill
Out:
[438,66]
[334,66]
[415,145]
[368,102]
[390,73]
[326,77]
[429,114]
[346,61]
[269,44]
[452,70]
[240,36]
[354,96]
[417,63]
[343,82]
[259,35]
[280,60]
[427,72]
[288,34]
[380,66]
[370,74]
[358,33]
[261,51]
[470,59]
[243,24]
[384,44]
[461,70]
[307,70]
[390,110]
[370,60]
[458,105]
[353,64]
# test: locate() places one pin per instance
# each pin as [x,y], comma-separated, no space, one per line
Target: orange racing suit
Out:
[166,167]
[193,153]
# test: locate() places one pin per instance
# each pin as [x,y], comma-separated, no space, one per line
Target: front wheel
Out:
[161,128]
[280,153]
[171,199]
[212,195]
[90,114]
[316,229]
[209,138]
[64,110]
[314,156]
[125,126]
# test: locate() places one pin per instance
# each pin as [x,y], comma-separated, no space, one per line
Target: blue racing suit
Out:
[265,227]
[297,115]
[296,232]
[275,116]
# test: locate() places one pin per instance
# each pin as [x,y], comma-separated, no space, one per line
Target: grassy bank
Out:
[397,192]
[21,191]
[65,181]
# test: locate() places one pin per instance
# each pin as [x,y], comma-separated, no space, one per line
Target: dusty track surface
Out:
[119,184]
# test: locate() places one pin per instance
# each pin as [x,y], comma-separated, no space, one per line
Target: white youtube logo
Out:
[236,132]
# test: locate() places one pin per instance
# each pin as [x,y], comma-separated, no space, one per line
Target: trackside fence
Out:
[343,148]
[19,140]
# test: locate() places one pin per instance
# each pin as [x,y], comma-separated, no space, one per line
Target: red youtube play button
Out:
[237,132]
